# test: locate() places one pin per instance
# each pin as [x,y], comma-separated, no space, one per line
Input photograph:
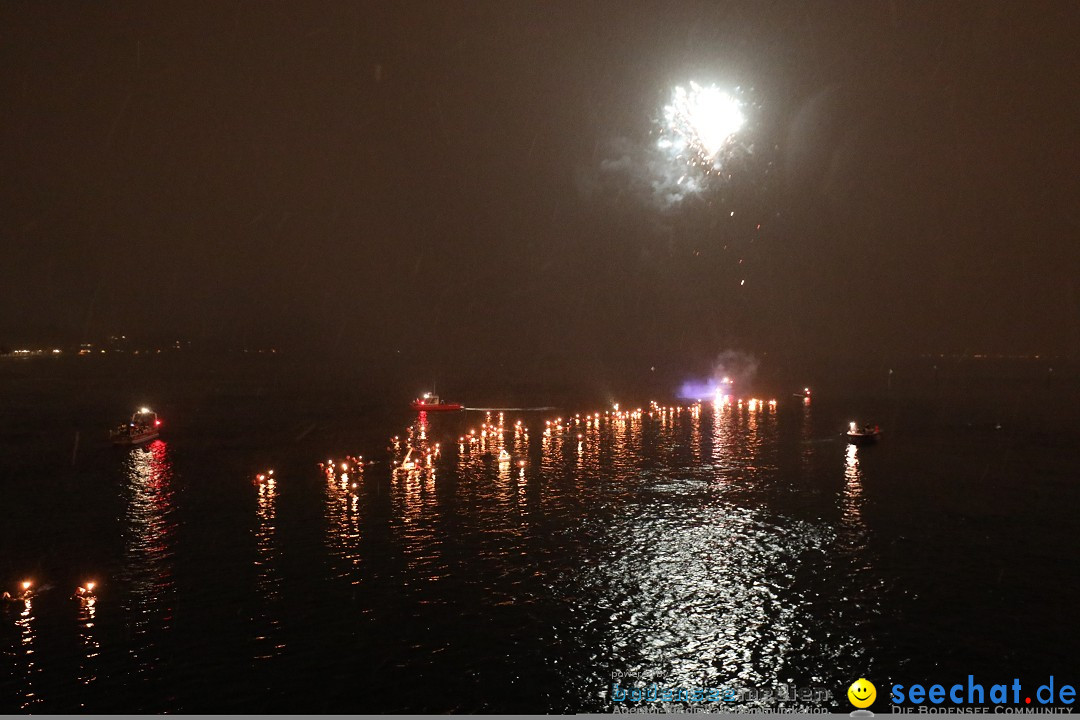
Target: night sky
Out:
[364,175]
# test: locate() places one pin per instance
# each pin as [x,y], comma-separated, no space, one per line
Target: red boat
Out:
[431,403]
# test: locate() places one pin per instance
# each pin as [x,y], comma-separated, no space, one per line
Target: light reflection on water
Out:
[806,436]
[851,502]
[91,648]
[657,542]
[704,597]
[267,575]
[416,507]
[149,535]
[688,584]
[343,517]
[30,697]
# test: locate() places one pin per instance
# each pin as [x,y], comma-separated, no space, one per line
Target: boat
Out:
[866,435]
[430,402]
[143,427]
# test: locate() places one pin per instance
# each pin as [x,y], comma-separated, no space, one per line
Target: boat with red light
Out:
[430,402]
[144,426]
[866,435]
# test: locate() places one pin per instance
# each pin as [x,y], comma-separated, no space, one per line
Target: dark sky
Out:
[367,174]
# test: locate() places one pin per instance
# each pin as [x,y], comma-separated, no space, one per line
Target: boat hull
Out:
[135,439]
[862,438]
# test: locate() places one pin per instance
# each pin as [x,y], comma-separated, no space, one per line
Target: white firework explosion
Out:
[700,125]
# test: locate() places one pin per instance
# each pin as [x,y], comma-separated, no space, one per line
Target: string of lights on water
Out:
[505,465]
[496,437]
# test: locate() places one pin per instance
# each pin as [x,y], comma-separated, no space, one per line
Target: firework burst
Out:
[700,125]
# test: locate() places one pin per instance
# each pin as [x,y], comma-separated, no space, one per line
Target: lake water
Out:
[721,547]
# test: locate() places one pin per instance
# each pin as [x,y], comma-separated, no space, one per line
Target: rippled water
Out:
[538,567]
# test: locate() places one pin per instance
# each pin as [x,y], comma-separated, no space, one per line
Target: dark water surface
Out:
[733,547]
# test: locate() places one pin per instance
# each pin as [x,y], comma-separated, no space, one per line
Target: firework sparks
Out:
[699,145]
[700,124]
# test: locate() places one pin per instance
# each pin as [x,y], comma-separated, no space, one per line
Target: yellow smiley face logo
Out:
[862,693]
